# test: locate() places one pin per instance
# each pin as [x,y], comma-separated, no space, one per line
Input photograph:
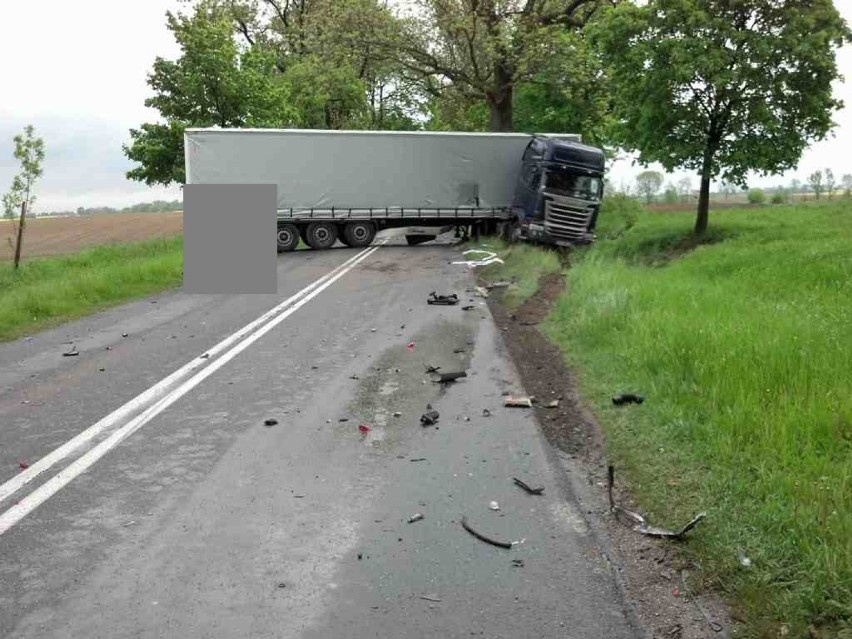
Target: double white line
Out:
[153,401]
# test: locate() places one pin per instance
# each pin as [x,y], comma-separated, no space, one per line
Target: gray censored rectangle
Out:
[229,243]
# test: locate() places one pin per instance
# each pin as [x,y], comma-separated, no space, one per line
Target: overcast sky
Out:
[79,78]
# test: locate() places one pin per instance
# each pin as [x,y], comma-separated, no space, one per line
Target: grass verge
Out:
[742,348]
[47,291]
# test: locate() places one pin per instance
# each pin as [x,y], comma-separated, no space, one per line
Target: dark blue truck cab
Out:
[558,193]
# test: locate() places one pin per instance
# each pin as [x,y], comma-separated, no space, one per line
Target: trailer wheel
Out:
[358,234]
[288,237]
[321,235]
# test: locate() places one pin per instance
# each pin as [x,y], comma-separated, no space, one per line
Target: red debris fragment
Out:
[676,592]
[23,465]
[410,346]
[363,429]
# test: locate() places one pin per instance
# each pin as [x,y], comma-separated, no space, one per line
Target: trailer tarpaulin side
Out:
[361,169]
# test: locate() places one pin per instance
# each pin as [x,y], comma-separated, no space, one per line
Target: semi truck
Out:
[349,185]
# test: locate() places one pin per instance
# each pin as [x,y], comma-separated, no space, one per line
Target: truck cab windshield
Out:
[573,185]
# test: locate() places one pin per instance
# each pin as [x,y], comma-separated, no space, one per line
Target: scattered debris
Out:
[529,489]
[372,330]
[481,537]
[73,352]
[482,292]
[493,285]
[108,348]
[469,307]
[126,334]
[447,378]
[281,584]
[429,418]
[640,525]
[458,350]
[518,402]
[343,419]
[129,523]
[494,505]
[529,323]
[23,465]
[486,412]
[432,369]
[517,563]
[488,258]
[397,414]
[270,422]
[745,562]
[446,300]
[353,377]
[552,404]
[410,346]
[714,625]
[205,356]
[363,429]
[430,598]
[417,459]
[627,398]
[415,517]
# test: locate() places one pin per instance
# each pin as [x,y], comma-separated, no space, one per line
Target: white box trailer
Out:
[350,184]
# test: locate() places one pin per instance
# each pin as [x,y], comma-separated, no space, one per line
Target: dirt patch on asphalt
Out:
[650,570]
[62,235]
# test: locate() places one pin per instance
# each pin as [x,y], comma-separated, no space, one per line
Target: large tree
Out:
[722,87]
[476,52]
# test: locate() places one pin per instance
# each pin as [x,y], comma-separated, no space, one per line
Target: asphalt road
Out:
[201,521]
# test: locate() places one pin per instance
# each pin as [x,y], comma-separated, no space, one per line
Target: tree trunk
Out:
[20,239]
[500,102]
[703,197]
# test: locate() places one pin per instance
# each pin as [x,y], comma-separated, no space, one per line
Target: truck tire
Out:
[288,237]
[358,234]
[321,235]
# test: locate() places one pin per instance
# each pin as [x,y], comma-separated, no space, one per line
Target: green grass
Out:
[523,265]
[47,291]
[743,349]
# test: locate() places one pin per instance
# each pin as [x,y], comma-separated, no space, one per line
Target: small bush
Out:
[670,196]
[756,196]
[778,198]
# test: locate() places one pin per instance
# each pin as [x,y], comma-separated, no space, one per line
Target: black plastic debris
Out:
[627,398]
[458,350]
[447,378]
[529,489]
[469,307]
[429,418]
[72,352]
[446,300]
[517,563]
[481,537]
[417,459]
[431,369]
[270,422]
[639,524]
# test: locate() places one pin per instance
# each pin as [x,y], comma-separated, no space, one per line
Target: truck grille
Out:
[566,217]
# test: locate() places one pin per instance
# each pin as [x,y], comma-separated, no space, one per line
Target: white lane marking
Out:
[80,465]
[154,392]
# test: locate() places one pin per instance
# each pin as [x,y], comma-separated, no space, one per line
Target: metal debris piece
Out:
[627,398]
[447,378]
[72,352]
[494,505]
[469,307]
[446,300]
[429,418]
[481,537]
[714,625]
[432,369]
[415,517]
[430,598]
[270,422]
[552,404]
[125,334]
[397,414]
[518,402]
[640,525]
[527,487]
[517,563]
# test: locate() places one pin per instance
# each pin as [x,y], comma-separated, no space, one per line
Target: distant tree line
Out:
[157,206]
